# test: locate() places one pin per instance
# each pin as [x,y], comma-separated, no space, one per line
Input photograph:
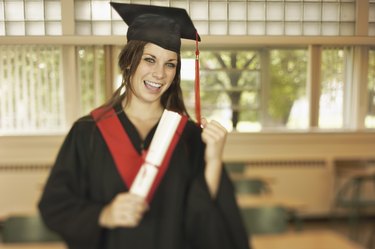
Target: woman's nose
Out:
[158,72]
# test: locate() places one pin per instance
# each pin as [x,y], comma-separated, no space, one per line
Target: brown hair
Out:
[128,62]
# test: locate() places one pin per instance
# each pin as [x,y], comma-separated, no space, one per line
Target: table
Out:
[245,176]
[319,239]
[314,239]
[246,200]
[33,246]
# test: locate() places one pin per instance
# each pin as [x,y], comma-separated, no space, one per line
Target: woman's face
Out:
[154,73]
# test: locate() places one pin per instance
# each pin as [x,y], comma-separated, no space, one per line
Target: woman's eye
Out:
[151,60]
[171,65]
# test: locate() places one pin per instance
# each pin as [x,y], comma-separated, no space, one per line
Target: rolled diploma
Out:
[159,145]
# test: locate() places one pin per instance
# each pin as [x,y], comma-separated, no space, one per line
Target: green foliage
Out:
[232,80]
[287,82]
[371,83]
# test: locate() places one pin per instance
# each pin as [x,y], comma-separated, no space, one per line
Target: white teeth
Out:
[153,84]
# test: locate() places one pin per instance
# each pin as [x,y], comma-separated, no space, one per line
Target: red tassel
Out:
[197,83]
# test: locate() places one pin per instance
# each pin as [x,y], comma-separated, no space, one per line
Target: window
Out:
[247,88]
[37,17]
[250,90]
[332,87]
[91,77]
[94,18]
[287,105]
[371,30]
[230,86]
[370,117]
[31,87]
[278,17]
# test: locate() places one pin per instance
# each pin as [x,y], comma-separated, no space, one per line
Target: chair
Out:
[265,220]
[235,167]
[350,197]
[23,229]
[251,186]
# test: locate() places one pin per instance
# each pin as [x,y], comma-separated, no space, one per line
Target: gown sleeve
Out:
[213,223]
[64,205]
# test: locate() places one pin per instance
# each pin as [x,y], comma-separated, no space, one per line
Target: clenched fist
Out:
[125,210]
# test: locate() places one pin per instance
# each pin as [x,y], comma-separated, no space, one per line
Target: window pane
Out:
[237,11]
[293,12]
[275,11]
[230,86]
[82,10]
[30,17]
[35,28]
[34,10]
[31,88]
[287,105]
[199,10]
[15,28]
[91,77]
[218,28]
[256,11]
[370,117]
[371,18]
[12,11]
[53,10]
[2,17]
[218,11]
[312,12]
[332,85]
[331,12]
[101,10]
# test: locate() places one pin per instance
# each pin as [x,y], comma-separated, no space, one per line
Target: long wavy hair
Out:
[129,59]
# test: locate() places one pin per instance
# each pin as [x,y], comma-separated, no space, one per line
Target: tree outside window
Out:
[245,92]
[370,117]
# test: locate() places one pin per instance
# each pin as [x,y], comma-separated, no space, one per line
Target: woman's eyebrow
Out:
[153,56]
[149,55]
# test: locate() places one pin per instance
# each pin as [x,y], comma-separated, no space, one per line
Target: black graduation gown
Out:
[182,214]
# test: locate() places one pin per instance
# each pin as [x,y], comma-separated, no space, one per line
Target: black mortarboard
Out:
[164,26]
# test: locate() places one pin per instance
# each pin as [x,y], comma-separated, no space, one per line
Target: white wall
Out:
[21,180]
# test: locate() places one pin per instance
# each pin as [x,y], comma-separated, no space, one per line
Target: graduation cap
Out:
[163,26]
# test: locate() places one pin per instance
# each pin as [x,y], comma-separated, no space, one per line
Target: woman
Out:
[86,200]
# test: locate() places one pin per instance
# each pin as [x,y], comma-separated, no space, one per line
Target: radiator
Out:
[20,187]
[308,181]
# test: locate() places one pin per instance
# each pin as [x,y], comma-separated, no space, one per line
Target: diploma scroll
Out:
[159,145]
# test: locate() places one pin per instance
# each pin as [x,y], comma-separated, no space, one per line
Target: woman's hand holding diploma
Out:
[214,136]
[125,210]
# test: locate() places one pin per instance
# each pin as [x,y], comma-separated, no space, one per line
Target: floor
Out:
[364,234]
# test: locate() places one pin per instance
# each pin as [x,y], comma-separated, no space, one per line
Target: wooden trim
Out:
[217,42]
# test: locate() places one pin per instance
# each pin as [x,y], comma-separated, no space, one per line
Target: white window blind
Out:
[91,77]
[31,90]
[334,71]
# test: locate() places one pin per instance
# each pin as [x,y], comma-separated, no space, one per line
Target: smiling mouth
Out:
[152,85]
